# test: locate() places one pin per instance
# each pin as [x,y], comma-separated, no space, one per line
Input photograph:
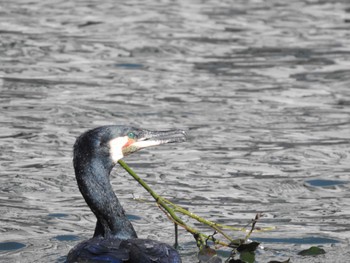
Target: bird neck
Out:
[94,184]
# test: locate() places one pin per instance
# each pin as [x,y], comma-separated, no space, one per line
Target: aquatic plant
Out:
[240,247]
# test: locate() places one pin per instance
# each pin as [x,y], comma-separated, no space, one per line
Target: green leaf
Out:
[247,256]
[312,251]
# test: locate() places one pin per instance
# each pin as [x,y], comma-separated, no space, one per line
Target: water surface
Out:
[261,86]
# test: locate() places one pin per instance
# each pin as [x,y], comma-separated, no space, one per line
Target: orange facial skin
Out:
[129,142]
[128,147]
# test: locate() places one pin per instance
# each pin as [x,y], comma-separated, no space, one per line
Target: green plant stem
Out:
[160,201]
[170,210]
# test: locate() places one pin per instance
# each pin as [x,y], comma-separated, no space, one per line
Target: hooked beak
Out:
[152,138]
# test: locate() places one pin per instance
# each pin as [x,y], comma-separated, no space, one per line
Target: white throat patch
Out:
[116,146]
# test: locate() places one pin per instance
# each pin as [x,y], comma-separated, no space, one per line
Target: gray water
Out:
[262,87]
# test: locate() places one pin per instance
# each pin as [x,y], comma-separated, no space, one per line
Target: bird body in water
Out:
[96,152]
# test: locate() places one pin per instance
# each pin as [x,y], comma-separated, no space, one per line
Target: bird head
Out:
[114,142]
[132,140]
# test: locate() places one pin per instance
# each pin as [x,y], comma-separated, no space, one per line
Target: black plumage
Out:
[115,240]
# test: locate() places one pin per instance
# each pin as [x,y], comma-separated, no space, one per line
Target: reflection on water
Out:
[324,183]
[67,238]
[261,86]
[302,240]
[8,246]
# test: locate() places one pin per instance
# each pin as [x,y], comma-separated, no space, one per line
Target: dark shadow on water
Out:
[133,217]
[67,238]
[62,259]
[129,66]
[301,240]
[324,183]
[58,215]
[7,246]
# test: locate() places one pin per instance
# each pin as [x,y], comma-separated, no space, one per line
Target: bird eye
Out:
[131,135]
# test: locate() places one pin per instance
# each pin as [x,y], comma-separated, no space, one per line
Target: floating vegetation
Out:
[312,251]
[241,249]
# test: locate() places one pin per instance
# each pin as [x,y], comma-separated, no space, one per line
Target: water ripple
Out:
[265,102]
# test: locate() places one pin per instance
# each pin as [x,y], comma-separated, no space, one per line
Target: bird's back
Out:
[112,250]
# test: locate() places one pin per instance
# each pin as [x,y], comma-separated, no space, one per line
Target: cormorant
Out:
[96,152]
